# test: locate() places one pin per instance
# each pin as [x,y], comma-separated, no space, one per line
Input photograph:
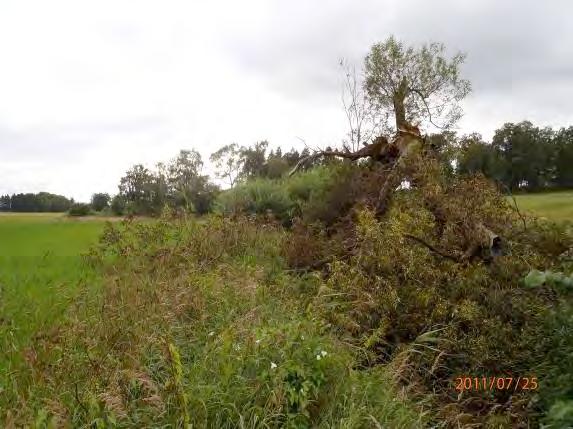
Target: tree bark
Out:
[399,108]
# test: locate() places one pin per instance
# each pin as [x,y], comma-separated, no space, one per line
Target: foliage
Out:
[79,209]
[40,202]
[300,195]
[425,316]
[118,205]
[521,156]
[100,201]
[415,84]
[178,184]
[258,196]
[228,163]
[139,189]
[536,278]
[556,394]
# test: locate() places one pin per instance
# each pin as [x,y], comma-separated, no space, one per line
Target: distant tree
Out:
[254,160]
[118,205]
[138,188]
[184,178]
[228,162]
[292,157]
[526,152]
[100,201]
[562,159]
[5,203]
[415,84]
[276,167]
[40,202]
[477,156]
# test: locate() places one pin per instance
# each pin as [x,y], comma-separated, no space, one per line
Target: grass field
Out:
[40,269]
[556,206]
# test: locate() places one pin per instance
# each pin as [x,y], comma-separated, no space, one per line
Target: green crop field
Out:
[556,206]
[40,270]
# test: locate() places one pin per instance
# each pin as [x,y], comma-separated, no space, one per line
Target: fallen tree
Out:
[407,157]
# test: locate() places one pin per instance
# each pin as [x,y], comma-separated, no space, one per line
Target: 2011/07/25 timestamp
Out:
[495,383]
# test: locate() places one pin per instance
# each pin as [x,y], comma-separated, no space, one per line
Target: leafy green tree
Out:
[477,156]
[184,178]
[138,187]
[415,84]
[563,157]
[292,156]
[228,162]
[118,205]
[526,151]
[100,201]
[254,160]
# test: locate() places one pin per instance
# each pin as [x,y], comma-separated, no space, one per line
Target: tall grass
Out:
[199,324]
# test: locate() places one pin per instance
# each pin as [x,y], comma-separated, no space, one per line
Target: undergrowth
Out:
[198,324]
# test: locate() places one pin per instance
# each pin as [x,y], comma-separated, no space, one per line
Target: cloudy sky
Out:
[89,88]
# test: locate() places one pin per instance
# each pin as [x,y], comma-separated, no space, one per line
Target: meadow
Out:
[557,206]
[40,270]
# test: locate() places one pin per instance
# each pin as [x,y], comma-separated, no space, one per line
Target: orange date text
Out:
[495,383]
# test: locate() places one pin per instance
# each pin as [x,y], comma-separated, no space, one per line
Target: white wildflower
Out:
[273,365]
[323,353]
[257,341]
[211,333]
[318,357]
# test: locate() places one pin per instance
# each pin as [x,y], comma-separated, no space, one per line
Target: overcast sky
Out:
[89,88]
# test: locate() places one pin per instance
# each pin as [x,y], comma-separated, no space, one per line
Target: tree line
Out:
[521,156]
[181,183]
[40,202]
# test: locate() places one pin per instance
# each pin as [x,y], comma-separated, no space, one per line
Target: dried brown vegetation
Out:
[419,278]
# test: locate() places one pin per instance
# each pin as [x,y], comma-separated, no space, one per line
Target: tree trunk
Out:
[399,108]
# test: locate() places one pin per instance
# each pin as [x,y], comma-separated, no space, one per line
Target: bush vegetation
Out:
[79,209]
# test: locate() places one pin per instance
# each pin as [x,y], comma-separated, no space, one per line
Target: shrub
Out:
[258,196]
[79,209]
[308,195]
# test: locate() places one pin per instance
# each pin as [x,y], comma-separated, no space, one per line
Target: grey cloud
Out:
[512,45]
[67,143]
